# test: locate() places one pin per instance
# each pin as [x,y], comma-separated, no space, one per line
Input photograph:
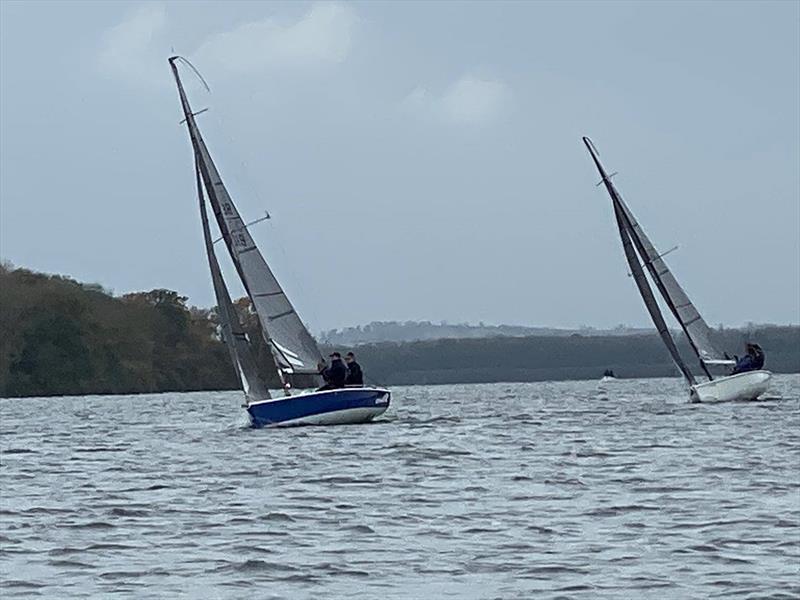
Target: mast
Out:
[291,344]
[694,327]
[233,333]
[628,240]
[698,333]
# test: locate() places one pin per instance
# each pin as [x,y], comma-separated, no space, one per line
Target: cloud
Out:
[322,35]
[135,49]
[128,50]
[468,100]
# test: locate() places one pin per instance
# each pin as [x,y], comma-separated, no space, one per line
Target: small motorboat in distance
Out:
[608,376]
[637,246]
[294,351]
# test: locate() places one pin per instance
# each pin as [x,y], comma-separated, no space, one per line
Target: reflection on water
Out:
[552,490]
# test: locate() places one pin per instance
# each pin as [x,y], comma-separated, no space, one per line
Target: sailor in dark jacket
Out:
[334,375]
[752,361]
[759,359]
[355,376]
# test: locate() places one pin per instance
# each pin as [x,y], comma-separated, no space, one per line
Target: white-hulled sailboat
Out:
[292,347]
[742,386]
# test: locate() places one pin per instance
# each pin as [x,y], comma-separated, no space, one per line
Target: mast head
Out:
[173,60]
[590,146]
[595,158]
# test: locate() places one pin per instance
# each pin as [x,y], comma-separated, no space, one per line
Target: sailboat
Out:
[293,350]
[637,246]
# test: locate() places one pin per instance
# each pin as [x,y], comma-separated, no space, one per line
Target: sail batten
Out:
[283,314]
[265,292]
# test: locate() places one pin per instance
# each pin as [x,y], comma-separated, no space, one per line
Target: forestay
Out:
[293,347]
[232,331]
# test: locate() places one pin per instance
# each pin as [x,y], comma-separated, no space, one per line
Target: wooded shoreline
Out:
[61,337]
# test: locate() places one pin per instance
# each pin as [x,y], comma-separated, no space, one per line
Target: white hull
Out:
[349,416]
[608,379]
[742,386]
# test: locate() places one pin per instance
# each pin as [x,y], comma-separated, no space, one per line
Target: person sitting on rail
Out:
[355,376]
[334,375]
[753,360]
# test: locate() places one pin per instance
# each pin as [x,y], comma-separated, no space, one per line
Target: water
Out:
[547,490]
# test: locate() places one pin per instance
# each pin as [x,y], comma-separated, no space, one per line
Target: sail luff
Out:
[233,333]
[291,344]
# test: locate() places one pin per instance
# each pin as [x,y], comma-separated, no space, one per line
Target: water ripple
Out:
[547,490]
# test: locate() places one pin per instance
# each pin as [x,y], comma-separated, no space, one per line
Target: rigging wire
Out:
[195,71]
[275,242]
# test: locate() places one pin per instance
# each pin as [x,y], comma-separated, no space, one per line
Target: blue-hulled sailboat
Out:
[292,347]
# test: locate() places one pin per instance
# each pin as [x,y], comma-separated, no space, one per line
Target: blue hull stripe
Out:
[299,407]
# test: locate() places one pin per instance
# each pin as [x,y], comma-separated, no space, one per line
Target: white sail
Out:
[292,345]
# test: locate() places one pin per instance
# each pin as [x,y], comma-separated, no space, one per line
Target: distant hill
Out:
[418,331]
[553,358]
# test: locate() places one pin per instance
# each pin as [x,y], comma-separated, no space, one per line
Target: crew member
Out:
[355,376]
[334,375]
[753,360]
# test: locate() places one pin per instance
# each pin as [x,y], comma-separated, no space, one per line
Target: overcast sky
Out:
[419,160]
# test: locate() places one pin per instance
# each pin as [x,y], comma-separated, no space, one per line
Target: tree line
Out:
[416,331]
[544,358]
[62,337]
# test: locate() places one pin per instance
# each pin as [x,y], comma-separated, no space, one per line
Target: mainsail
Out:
[697,332]
[647,293]
[293,347]
[232,331]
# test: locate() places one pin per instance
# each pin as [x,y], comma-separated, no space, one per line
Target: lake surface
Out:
[546,490]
